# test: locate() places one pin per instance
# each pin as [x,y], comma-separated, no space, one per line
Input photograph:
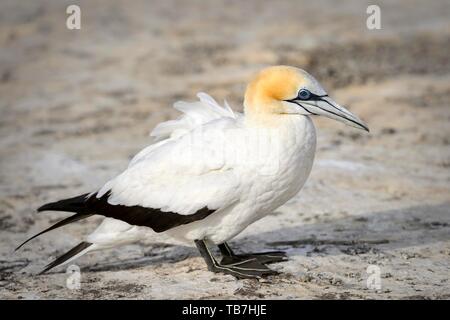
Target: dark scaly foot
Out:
[261,257]
[239,267]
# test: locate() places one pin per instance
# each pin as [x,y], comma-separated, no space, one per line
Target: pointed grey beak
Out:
[325,106]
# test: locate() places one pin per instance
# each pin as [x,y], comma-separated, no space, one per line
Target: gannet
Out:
[213,172]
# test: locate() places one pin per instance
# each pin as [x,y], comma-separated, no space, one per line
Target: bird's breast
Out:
[286,165]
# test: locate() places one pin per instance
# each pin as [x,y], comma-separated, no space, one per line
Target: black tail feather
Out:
[66,256]
[73,218]
[76,204]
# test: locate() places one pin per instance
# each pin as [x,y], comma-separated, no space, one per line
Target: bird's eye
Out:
[304,94]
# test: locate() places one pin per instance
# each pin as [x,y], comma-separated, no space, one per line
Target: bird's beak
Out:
[325,106]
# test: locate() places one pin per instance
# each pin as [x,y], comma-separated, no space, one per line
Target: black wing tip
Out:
[74,204]
[66,256]
[45,207]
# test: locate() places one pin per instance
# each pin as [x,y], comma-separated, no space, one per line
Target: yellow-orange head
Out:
[285,90]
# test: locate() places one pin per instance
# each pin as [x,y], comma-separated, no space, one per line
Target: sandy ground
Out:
[77,105]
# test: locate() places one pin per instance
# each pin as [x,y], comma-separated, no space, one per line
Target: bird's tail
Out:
[110,233]
[74,253]
[77,205]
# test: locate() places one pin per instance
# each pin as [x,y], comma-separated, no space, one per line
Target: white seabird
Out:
[213,172]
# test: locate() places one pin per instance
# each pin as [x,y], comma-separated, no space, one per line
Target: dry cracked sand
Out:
[76,105]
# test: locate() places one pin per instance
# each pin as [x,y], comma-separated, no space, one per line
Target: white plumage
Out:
[237,167]
[189,168]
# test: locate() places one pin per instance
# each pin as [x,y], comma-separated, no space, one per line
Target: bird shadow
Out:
[386,230]
[155,254]
[352,235]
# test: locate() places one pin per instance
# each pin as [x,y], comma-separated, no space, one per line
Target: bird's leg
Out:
[262,257]
[240,268]
[225,250]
